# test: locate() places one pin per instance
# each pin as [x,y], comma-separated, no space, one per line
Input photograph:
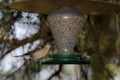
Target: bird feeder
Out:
[66,20]
[65,25]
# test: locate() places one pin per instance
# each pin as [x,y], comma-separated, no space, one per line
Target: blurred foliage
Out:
[97,33]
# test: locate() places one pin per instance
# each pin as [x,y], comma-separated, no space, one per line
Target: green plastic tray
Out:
[65,59]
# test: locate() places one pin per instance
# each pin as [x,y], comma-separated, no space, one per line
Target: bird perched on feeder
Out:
[39,54]
[87,53]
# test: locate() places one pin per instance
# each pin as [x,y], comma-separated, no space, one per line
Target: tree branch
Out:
[56,73]
[43,33]
[84,74]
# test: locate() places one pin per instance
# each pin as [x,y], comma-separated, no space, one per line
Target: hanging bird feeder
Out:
[66,20]
[65,25]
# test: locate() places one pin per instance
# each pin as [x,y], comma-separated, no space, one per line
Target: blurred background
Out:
[21,32]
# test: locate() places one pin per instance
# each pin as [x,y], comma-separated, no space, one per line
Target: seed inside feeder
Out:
[65,25]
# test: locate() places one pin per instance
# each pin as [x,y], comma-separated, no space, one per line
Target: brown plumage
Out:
[39,54]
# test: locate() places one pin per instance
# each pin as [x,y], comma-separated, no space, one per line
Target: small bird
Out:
[39,54]
[87,53]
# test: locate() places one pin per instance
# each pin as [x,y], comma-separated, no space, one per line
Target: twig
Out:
[56,73]
[84,74]
[28,70]
[1,57]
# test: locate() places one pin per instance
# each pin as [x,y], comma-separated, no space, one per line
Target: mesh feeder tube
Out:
[65,25]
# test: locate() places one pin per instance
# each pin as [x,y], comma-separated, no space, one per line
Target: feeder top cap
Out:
[66,2]
[84,6]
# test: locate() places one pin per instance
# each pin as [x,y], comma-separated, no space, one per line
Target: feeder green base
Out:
[65,59]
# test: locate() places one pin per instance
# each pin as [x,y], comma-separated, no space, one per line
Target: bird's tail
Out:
[24,56]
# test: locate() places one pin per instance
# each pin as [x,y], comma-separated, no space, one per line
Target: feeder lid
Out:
[65,59]
[66,2]
[84,6]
